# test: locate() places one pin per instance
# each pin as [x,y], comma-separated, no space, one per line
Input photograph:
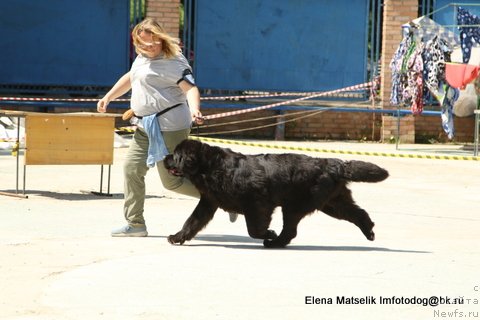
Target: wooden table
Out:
[66,139]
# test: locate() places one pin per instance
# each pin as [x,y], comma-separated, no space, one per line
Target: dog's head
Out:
[185,160]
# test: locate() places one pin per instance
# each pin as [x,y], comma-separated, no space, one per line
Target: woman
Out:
[163,86]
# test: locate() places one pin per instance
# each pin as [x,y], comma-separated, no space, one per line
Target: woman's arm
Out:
[193,98]
[121,87]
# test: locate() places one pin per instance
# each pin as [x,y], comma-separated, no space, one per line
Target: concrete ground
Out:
[58,260]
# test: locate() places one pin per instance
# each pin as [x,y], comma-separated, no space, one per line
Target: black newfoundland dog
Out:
[254,185]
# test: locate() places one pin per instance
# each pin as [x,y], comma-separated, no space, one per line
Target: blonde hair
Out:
[170,45]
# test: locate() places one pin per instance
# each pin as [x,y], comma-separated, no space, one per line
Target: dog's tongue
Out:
[174,172]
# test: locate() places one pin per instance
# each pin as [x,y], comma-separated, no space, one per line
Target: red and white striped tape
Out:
[261,95]
[315,95]
[220,115]
[53,99]
[251,96]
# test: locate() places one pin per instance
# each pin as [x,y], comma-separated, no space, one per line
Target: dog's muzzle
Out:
[175,172]
[169,164]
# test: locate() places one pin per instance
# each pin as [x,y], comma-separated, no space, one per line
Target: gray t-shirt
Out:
[154,88]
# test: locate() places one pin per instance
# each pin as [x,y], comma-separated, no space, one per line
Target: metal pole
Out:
[108,187]
[280,127]
[101,178]
[17,155]
[24,177]
[477,118]
[398,129]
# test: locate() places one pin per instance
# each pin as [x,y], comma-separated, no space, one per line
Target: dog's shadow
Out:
[247,243]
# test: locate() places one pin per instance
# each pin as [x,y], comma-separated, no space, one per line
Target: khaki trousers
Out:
[135,170]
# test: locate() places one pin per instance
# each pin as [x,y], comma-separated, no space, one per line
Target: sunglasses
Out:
[148,45]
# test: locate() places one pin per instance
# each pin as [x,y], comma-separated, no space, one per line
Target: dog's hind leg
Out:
[258,223]
[291,218]
[343,207]
[200,217]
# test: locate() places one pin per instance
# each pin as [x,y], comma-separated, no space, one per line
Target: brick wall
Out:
[429,129]
[390,126]
[236,125]
[325,125]
[335,126]
[167,13]
[395,14]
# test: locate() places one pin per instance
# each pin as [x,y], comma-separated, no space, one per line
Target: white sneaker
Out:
[129,231]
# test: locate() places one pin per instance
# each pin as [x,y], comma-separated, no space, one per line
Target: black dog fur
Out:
[254,185]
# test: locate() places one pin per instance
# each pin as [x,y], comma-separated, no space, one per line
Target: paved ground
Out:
[58,260]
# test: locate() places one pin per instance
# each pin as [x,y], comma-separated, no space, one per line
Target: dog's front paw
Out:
[370,235]
[267,243]
[271,234]
[176,238]
[368,232]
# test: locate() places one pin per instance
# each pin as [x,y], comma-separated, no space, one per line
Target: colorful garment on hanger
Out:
[451,95]
[413,91]
[468,35]
[418,70]
[398,77]
[435,52]
[458,75]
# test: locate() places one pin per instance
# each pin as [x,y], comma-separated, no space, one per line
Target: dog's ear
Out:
[189,152]
[190,164]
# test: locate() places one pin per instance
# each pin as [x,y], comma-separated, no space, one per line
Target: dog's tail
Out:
[361,171]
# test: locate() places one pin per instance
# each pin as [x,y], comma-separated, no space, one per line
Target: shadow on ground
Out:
[249,243]
[81,195]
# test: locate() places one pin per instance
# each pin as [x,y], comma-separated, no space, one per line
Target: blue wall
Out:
[301,45]
[63,42]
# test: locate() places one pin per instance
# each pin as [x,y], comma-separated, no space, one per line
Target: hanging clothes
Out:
[419,70]
[435,53]
[407,81]
[396,65]
[469,36]
[413,91]
[451,95]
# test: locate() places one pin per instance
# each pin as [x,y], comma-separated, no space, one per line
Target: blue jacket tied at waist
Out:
[157,150]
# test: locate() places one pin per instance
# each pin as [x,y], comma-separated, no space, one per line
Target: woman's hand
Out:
[102,105]
[121,87]
[197,117]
